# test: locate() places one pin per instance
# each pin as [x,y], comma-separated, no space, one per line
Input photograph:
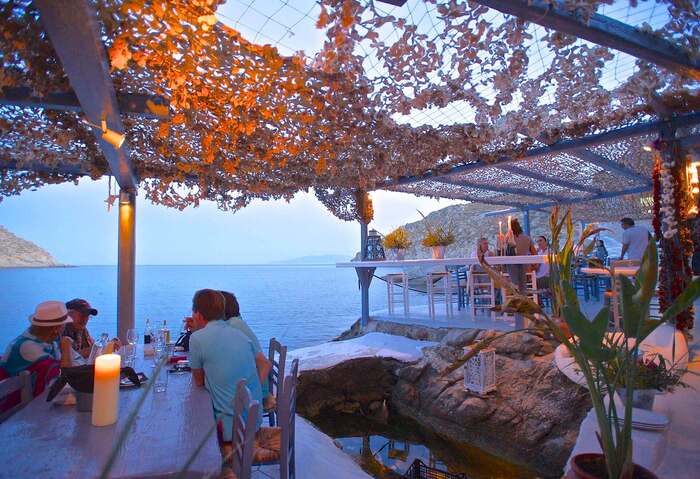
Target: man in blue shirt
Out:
[220,356]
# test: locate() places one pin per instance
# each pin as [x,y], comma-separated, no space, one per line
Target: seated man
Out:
[220,356]
[80,311]
[233,317]
[37,350]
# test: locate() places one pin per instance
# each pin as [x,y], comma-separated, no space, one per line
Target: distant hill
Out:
[317,259]
[16,252]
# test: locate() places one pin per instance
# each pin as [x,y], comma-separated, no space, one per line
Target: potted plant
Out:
[605,359]
[398,242]
[437,238]
[655,375]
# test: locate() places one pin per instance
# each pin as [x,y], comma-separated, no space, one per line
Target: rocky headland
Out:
[16,252]
[532,419]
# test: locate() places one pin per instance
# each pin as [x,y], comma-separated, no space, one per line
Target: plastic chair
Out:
[277,355]
[394,280]
[15,393]
[245,418]
[276,445]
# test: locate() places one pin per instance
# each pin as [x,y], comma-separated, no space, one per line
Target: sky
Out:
[72,223]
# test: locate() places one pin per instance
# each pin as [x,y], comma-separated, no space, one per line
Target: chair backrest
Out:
[277,355]
[15,393]
[286,410]
[245,418]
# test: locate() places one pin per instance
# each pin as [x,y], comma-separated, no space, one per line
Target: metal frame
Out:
[601,30]
[639,129]
[146,106]
[572,185]
[500,189]
[74,32]
[610,165]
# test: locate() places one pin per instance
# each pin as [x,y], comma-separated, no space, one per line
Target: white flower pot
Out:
[400,254]
[438,252]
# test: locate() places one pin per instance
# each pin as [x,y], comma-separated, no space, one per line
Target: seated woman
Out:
[37,350]
[233,318]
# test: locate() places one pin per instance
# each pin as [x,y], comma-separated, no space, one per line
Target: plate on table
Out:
[647,420]
[125,382]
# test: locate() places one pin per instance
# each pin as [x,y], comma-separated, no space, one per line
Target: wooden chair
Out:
[15,393]
[245,418]
[277,355]
[393,281]
[481,291]
[276,445]
[440,284]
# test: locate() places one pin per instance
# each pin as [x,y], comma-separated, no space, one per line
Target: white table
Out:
[408,263]
[365,270]
[49,440]
[620,270]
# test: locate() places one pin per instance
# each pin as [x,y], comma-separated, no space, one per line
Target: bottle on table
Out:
[148,339]
[165,332]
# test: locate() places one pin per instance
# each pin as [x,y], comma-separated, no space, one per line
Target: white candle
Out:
[500,228]
[509,222]
[105,400]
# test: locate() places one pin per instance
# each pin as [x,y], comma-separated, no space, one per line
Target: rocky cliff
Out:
[16,252]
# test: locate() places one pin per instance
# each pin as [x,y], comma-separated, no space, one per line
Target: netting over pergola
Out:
[438,89]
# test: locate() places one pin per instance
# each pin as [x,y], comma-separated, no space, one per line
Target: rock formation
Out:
[16,252]
[532,419]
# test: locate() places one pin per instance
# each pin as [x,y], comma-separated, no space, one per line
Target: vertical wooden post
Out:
[363,275]
[526,222]
[126,269]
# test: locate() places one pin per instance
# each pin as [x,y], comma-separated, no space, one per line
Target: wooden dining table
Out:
[45,439]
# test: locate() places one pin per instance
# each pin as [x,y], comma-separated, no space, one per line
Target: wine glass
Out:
[132,339]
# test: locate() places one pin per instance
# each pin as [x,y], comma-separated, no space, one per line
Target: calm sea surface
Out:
[300,305]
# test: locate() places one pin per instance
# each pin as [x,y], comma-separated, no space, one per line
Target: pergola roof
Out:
[488,105]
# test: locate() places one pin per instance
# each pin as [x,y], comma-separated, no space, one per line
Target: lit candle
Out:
[105,400]
[509,222]
[500,228]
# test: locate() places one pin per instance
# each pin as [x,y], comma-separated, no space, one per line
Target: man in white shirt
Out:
[634,240]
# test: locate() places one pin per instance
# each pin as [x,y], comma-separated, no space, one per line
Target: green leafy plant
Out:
[397,239]
[437,235]
[605,359]
[653,372]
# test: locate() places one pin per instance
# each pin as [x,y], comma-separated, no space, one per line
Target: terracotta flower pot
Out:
[592,466]
[438,252]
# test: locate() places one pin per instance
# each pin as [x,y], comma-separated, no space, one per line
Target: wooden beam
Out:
[147,106]
[563,146]
[612,166]
[500,189]
[126,269]
[73,30]
[601,30]
[572,185]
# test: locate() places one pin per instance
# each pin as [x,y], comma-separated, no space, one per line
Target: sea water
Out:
[299,305]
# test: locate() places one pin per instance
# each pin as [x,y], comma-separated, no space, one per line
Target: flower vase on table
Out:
[438,252]
[400,254]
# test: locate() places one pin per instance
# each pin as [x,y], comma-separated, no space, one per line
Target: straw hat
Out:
[50,313]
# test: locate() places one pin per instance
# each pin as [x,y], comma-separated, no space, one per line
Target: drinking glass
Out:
[132,339]
[161,379]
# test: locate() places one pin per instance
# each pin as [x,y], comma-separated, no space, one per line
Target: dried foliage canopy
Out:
[247,122]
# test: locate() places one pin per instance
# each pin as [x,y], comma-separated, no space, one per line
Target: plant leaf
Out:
[683,301]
